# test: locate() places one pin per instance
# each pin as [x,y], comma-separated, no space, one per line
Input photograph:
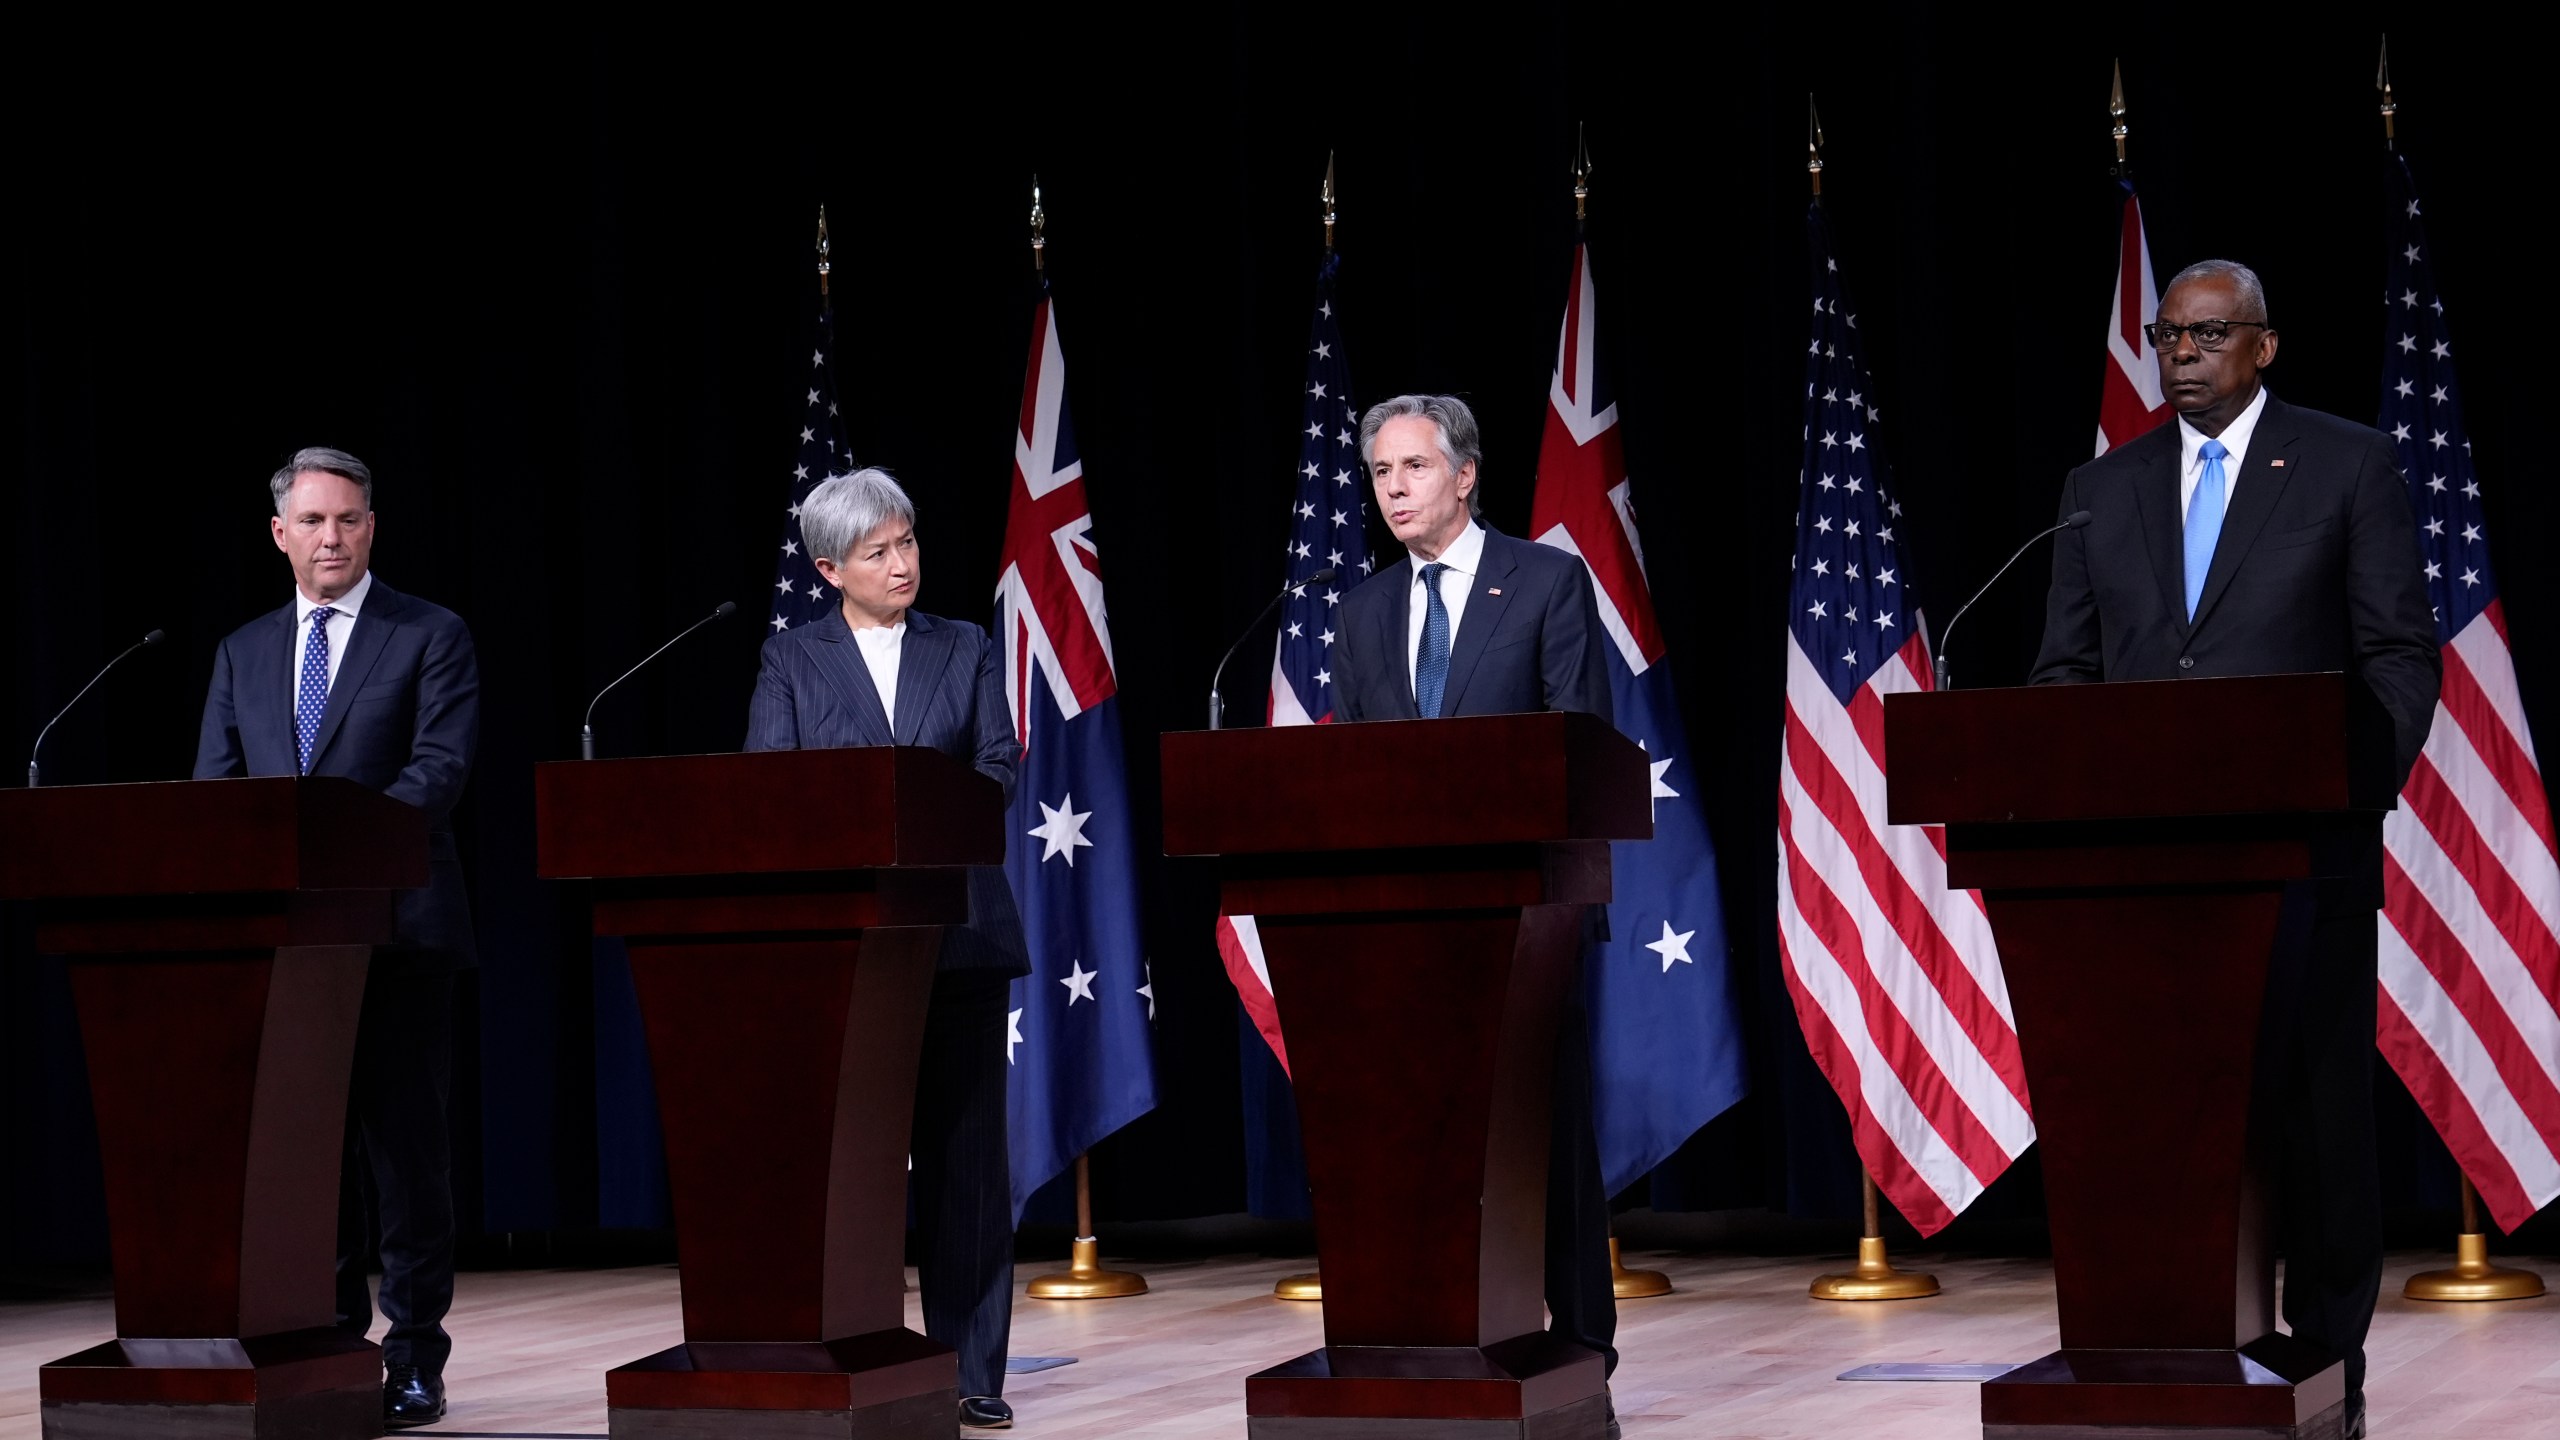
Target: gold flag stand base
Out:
[2473,1276]
[1084,1278]
[1629,1284]
[1875,1278]
[1309,1286]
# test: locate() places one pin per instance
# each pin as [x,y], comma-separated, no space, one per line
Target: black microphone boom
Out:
[35,771]
[2072,521]
[587,727]
[1217,702]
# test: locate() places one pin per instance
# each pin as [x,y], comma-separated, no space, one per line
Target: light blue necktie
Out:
[311,693]
[2204,522]
[1431,666]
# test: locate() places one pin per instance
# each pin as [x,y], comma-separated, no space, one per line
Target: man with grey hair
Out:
[1478,623]
[354,679]
[2253,537]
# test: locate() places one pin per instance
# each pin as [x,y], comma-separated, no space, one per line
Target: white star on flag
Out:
[1061,830]
[1149,990]
[1012,1034]
[1079,981]
[1674,945]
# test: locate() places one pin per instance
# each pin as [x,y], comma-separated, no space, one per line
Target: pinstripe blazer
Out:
[815,693]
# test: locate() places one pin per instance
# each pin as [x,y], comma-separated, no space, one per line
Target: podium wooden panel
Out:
[217,934]
[1420,946]
[2139,848]
[783,912]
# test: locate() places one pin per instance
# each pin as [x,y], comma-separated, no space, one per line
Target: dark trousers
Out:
[1582,1305]
[395,1185]
[963,1175]
[2319,1084]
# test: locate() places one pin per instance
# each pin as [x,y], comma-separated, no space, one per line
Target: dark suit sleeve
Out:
[218,752]
[998,752]
[1575,667]
[447,728]
[2072,651]
[2388,615]
[772,720]
[1345,662]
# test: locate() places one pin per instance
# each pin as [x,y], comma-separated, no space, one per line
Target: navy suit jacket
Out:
[1529,641]
[815,693]
[403,718]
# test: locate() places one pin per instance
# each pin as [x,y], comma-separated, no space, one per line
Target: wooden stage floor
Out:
[1738,1353]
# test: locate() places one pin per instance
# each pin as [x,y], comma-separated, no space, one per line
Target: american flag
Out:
[1328,529]
[799,595]
[2129,401]
[1666,1043]
[1077,1040]
[1894,975]
[2470,1002]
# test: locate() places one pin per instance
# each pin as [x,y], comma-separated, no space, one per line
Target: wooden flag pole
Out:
[1875,1278]
[2473,1277]
[1084,1278]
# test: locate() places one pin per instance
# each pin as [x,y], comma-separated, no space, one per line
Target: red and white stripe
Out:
[2130,401]
[1895,977]
[2470,976]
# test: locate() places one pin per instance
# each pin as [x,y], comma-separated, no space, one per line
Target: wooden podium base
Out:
[1534,1387]
[889,1385]
[300,1385]
[2273,1388]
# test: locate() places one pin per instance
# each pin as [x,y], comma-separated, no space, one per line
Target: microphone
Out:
[587,728]
[2072,521]
[35,771]
[1217,702]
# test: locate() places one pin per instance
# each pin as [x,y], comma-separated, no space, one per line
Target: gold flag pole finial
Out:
[2390,107]
[1328,202]
[2115,112]
[1581,171]
[1039,231]
[1813,146]
[822,252]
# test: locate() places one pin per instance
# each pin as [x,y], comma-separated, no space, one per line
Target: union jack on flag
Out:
[2129,401]
[1081,1058]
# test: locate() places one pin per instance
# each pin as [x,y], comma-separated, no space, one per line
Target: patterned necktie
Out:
[1431,666]
[2204,522]
[311,693]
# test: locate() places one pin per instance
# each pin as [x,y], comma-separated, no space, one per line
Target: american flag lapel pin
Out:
[1496,589]
[2275,464]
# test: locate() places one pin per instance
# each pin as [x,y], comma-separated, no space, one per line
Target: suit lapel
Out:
[1485,608]
[268,693]
[1394,618]
[2262,483]
[373,627]
[839,655]
[922,657]
[2164,526]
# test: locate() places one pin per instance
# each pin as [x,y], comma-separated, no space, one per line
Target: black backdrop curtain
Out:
[556,291]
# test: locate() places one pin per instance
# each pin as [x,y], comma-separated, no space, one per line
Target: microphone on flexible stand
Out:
[35,771]
[2072,521]
[1217,702]
[587,729]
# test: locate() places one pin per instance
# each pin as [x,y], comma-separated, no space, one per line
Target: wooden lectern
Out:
[218,933]
[1419,950]
[2138,847]
[784,911]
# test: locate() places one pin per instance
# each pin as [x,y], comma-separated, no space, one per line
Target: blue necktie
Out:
[2204,522]
[1431,666]
[311,693]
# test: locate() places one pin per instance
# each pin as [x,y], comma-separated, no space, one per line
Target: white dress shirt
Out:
[881,645]
[2234,438]
[342,627]
[1463,557]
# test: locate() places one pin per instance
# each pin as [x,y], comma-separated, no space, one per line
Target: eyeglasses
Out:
[2209,333]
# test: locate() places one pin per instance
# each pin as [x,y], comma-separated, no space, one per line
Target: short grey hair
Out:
[2253,296]
[844,508]
[1459,444]
[327,462]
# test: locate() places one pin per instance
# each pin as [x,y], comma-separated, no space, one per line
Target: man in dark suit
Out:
[881,672]
[2252,537]
[358,680]
[1478,623]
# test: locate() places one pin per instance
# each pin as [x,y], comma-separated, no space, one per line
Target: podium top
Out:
[190,837]
[765,812]
[2154,749]
[1482,780]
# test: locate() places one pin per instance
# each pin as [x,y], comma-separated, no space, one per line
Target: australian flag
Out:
[798,593]
[1077,1037]
[1666,1044]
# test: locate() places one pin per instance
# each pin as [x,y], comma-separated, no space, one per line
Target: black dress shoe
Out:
[411,1398]
[2353,1429]
[986,1412]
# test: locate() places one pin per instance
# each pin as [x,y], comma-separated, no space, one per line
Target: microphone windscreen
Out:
[155,637]
[1323,576]
[727,609]
[2076,519]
